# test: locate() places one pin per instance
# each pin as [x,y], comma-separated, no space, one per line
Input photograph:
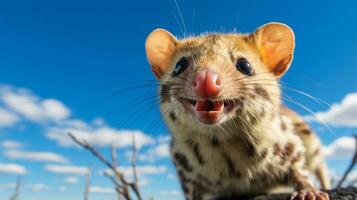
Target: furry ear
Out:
[160,47]
[276,42]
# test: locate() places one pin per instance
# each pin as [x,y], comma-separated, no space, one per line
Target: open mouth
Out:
[209,111]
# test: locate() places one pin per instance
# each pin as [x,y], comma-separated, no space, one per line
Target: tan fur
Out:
[253,149]
[314,157]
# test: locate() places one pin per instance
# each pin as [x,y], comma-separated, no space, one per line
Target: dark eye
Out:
[181,65]
[244,67]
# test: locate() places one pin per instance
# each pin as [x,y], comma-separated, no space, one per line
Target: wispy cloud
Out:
[12,168]
[7,186]
[10,144]
[171,193]
[71,180]
[31,107]
[55,117]
[99,136]
[56,120]
[62,188]
[156,152]
[35,156]
[67,169]
[171,177]
[342,147]
[37,187]
[100,189]
[7,118]
[141,170]
[343,114]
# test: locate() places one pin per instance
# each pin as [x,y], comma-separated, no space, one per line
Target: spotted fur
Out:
[258,147]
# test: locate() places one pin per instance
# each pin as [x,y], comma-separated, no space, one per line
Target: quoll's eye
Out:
[244,67]
[181,65]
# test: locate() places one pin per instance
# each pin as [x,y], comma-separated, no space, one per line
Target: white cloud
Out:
[172,176]
[100,189]
[155,153]
[102,136]
[22,102]
[8,186]
[62,188]
[67,169]
[170,192]
[32,107]
[71,180]
[73,123]
[99,122]
[164,139]
[7,118]
[11,168]
[10,144]
[55,109]
[342,147]
[149,169]
[142,170]
[143,181]
[44,111]
[35,156]
[162,150]
[37,187]
[342,114]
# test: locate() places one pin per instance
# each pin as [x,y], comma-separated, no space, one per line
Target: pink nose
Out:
[207,84]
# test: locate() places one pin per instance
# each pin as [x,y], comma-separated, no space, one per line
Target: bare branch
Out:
[135,184]
[16,194]
[117,185]
[349,169]
[87,186]
[112,179]
[133,161]
[114,156]
[115,164]
[121,184]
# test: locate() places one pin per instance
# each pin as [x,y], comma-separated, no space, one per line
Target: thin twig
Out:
[135,184]
[16,194]
[121,184]
[87,185]
[115,164]
[349,169]
[124,191]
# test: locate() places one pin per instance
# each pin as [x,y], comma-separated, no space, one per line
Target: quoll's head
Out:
[212,79]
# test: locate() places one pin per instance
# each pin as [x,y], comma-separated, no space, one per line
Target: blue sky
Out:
[59,59]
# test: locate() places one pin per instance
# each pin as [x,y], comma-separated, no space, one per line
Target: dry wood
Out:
[122,186]
[87,186]
[16,194]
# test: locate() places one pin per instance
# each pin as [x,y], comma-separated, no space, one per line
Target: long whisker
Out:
[130,88]
[316,99]
[181,17]
[291,100]
[139,111]
[168,110]
[177,22]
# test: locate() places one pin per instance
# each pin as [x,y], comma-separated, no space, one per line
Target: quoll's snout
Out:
[207,84]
